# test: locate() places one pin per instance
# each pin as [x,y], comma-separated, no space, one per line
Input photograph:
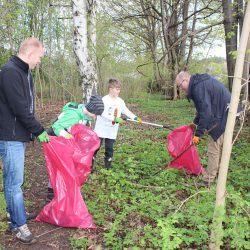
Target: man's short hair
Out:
[29,44]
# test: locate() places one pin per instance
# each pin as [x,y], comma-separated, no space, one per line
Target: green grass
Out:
[3,224]
[143,211]
[135,209]
[177,113]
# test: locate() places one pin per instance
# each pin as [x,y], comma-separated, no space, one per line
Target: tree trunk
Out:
[191,43]
[230,27]
[246,72]
[184,30]
[219,211]
[92,31]
[83,59]
[152,43]
[240,15]
[170,36]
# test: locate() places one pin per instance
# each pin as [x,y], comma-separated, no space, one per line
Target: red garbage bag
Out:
[178,140]
[68,163]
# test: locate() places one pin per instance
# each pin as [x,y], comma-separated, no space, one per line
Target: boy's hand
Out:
[119,120]
[65,134]
[43,137]
[138,119]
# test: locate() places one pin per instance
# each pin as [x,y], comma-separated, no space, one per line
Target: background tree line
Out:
[142,42]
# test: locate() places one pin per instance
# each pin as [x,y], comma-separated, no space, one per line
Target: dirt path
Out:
[49,236]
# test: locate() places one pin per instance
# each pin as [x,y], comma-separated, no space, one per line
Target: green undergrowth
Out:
[3,224]
[175,113]
[134,208]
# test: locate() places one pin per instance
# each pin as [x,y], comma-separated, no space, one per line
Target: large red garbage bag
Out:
[68,163]
[178,140]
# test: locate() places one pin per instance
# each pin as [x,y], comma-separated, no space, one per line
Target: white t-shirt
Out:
[104,126]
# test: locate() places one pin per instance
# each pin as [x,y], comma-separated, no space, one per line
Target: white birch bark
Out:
[219,212]
[81,47]
[92,36]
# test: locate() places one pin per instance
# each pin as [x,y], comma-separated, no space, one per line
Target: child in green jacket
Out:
[73,114]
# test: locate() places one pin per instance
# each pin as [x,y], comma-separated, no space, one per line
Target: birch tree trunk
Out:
[219,211]
[92,31]
[81,46]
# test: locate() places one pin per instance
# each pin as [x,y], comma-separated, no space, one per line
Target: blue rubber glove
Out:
[119,120]
[43,137]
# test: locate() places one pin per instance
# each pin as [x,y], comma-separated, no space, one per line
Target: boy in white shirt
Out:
[107,124]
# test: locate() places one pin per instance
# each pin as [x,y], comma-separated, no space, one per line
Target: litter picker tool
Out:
[150,123]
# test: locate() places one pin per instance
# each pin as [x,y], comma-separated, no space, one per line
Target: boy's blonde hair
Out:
[114,83]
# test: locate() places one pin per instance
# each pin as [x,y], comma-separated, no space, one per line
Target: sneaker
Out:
[108,163]
[23,234]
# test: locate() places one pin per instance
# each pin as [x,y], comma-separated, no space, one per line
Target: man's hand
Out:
[43,137]
[65,134]
[138,119]
[119,120]
[192,126]
[196,140]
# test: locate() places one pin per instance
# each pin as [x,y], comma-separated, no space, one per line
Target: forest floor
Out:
[35,192]
[131,207]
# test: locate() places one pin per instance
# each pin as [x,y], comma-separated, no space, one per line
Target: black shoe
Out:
[23,234]
[203,184]
[108,163]
[50,195]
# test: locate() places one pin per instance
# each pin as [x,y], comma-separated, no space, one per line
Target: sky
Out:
[218,50]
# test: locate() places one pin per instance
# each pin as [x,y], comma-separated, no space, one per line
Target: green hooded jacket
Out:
[72,114]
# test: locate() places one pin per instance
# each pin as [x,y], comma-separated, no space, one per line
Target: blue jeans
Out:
[12,155]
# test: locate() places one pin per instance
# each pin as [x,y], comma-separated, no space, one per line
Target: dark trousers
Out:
[109,148]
